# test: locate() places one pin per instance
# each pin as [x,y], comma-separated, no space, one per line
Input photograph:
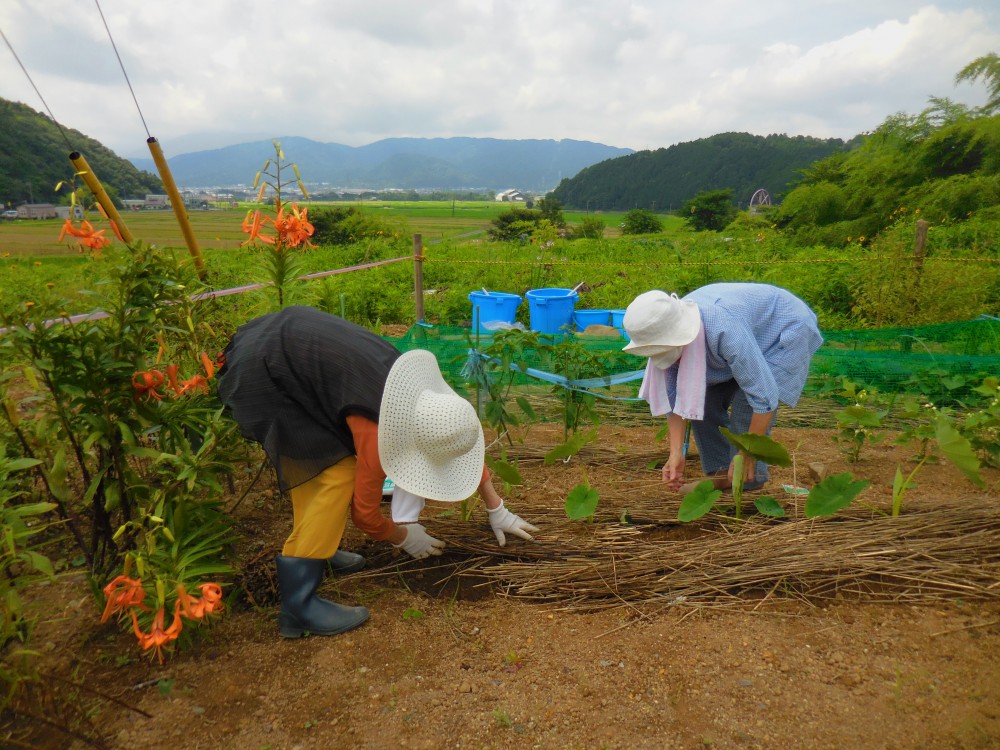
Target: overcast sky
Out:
[640,74]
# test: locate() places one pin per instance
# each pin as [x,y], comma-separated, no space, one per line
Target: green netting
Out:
[933,360]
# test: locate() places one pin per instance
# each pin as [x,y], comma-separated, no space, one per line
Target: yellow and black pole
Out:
[178,205]
[100,194]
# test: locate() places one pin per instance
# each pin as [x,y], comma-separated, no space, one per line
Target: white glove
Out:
[418,543]
[502,520]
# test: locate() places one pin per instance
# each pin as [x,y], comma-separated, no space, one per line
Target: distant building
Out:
[36,211]
[509,196]
[134,205]
[154,201]
[68,212]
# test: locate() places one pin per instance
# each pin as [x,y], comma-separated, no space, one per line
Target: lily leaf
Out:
[759,447]
[833,493]
[698,501]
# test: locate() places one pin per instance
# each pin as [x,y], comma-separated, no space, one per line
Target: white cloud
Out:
[637,73]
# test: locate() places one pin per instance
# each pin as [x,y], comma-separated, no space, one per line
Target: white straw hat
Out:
[430,440]
[656,319]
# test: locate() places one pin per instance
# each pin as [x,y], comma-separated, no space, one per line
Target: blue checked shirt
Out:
[760,335]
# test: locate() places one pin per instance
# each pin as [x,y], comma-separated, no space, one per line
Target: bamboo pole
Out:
[178,205]
[97,189]
[418,277]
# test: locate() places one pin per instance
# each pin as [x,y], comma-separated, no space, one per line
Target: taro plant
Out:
[750,447]
[834,493]
[582,500]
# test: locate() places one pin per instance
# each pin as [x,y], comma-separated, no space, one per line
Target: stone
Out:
[818,471]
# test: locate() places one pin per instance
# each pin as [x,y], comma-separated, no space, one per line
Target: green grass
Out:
[221,229]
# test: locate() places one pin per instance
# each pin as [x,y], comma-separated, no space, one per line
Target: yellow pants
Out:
[319,511]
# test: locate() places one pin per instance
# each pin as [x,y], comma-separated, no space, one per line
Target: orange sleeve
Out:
[366,506]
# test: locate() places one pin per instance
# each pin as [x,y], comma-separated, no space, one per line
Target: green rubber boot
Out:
[344,562]
[302,611]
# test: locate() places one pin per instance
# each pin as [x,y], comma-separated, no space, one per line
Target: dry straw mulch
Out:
[926,554]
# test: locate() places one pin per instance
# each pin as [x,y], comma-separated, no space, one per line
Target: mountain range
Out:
[407,163]
[34,149]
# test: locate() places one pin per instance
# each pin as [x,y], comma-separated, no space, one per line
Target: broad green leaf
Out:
[859,415]
[769,507]
[832,494]
[698,501]
[506,471]
[38,562]
[571,447]
[581,502]
[526,407]
[958,450]
[759,447]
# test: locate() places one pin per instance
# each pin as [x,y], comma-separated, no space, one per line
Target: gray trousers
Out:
[726,406]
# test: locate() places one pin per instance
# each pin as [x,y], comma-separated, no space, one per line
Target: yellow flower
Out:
[29,303]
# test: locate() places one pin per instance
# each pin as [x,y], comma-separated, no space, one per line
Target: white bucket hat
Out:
[430,440]
[656,320]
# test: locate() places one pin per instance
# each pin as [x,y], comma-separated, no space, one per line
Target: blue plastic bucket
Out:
[584,318]
[617,320]
[495,307]
[551,310]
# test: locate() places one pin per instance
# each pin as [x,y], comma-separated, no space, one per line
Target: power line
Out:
[44,104]
[122,66]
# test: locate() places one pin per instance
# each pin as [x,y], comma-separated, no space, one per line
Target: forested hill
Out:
[34,158]
[663,179]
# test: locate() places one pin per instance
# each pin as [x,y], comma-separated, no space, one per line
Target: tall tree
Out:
[986,67]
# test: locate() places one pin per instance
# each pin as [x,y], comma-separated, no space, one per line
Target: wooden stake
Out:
[418,277]
[177,203]
[100,194]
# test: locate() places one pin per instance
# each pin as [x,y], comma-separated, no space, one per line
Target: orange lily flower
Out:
[195,609]
[146,383]
[207,364]
[197,383]
[172,377]
[158,637]
[123,592]
[294,229]
[92,238]
[253,228]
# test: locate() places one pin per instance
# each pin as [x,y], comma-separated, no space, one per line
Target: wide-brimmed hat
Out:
[430,440]
[656,319]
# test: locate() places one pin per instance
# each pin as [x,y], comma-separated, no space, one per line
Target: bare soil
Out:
[448,661]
